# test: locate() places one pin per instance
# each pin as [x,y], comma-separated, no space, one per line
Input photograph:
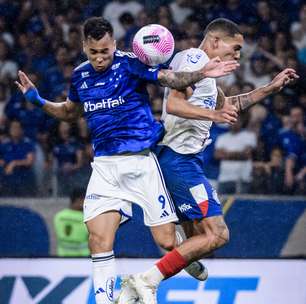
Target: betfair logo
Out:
[103,104]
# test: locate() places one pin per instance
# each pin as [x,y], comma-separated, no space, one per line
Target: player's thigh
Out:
[164,235]
[102,228]
[141,182]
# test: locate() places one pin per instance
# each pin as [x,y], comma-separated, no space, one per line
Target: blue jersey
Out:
[116,105]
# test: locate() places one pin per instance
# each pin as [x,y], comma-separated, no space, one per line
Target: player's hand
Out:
[227,114]
[9,169]
[25,83]
[216,68]
[28,89]
[284,78]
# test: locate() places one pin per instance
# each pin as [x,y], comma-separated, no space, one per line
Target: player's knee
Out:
[167,244]
[221,237]
[99,243]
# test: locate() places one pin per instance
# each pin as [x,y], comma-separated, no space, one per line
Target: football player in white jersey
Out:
[180,153]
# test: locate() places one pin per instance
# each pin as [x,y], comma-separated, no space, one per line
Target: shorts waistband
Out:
[145,152]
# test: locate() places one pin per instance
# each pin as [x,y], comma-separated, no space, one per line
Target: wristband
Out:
[33,96]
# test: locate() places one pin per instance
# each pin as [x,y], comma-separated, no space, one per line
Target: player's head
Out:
[222,38]
[99,44]
[77,198]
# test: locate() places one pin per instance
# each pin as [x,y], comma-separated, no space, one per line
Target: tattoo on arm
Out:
[178,80]
[242,101]
[220,99]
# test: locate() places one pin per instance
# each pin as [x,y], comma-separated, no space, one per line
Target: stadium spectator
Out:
[18,155]
[69,156]
[292,141]
[8,68]
[70,230]
[113,10]
[45,36]
[180,10]
[234,150]
[268,177]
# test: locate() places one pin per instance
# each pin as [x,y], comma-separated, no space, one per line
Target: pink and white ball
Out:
[153,44]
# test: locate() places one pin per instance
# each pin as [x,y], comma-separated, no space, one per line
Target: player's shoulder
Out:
[191,59]
[83,66]
[81,71]
[121,55]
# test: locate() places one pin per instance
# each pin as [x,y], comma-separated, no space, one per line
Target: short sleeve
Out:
[143,71]
[73,93]
[190,60]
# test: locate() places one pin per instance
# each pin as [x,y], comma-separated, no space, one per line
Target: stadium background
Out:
[43,39]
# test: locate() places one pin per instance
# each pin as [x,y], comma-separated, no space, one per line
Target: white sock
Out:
[153,276]
[104,276]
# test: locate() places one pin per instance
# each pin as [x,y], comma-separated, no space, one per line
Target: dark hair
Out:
[226,26]
[96,28]
[77,193]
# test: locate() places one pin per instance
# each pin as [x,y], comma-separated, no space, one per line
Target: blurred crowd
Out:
[263,153]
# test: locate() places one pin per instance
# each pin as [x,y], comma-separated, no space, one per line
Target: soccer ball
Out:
[153,44]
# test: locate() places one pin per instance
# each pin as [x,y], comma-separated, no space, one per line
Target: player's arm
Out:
[28,161]
[181,80]
[244,101]
[67,110]
[178,105]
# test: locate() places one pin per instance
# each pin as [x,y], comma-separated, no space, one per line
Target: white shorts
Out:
[120,180]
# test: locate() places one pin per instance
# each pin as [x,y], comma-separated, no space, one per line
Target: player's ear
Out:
[215,42]
[115,44]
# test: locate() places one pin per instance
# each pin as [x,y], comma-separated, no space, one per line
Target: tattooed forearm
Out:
[179,80]
[220,99]
[242,101]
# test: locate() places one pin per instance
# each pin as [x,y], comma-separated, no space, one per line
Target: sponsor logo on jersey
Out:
[103,104]
[92,196]
[152,69]
[85,74]
[185,207]
[151,39]
[193,58]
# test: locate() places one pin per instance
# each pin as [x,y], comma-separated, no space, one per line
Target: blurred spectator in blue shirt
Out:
[69,156]
[17,161]
[292,141]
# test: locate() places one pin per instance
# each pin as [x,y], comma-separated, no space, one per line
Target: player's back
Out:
[185,135]
[116,105]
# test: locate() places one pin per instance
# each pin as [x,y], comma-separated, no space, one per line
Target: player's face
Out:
[228,48]
[100,53]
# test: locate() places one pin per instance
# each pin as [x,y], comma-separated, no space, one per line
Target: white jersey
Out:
[187,136]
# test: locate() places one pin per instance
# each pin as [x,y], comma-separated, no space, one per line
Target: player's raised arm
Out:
[213,69]
[67,110]
[244,101]
[178,105]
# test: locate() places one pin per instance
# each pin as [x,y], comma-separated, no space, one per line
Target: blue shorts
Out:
[194,197]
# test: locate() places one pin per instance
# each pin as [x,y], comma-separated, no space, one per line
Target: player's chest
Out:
[98,87]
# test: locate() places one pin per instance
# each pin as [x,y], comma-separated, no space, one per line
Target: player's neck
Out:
[204,46]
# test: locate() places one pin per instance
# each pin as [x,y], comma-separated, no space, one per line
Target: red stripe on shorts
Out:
[204,207]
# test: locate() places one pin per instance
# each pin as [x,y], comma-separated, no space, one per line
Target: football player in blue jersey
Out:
[181,160]
[110,91]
